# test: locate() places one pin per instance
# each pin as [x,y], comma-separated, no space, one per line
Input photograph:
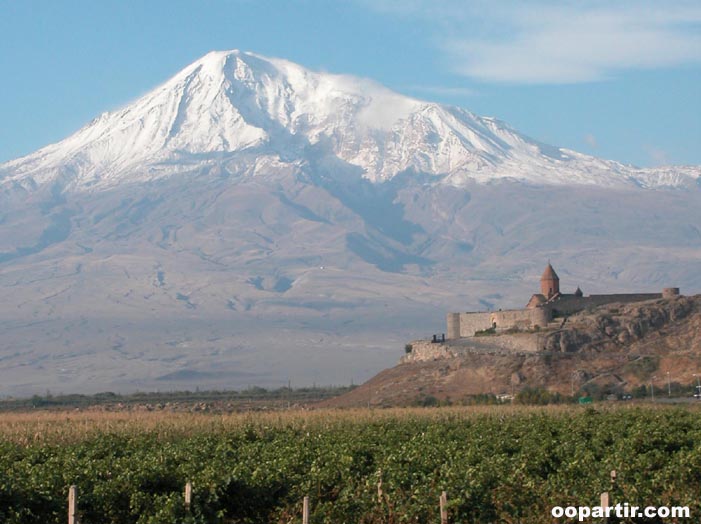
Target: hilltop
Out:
[611,348]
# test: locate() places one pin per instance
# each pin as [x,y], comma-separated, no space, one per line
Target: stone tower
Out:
[549,283]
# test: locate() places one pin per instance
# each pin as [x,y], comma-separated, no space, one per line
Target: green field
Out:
[497,464]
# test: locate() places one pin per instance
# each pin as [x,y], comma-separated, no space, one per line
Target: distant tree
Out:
[640,391]
[428,401]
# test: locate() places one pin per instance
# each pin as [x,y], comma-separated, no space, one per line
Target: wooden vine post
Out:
[305,511]
[188,495]
[605,497]
[73,505]
[444,509]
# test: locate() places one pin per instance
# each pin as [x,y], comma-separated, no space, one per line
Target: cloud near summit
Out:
[546,42]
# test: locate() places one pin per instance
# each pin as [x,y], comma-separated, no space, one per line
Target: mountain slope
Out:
[251,221]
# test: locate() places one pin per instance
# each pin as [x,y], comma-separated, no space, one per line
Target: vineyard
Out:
[497,464]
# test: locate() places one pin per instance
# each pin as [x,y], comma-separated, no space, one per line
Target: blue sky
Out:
[620,82]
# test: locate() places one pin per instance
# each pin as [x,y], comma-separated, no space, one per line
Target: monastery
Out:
[541,309]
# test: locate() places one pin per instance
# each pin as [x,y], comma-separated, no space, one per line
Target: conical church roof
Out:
[549,273]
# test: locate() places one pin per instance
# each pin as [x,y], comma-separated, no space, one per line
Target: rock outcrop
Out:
[611,348]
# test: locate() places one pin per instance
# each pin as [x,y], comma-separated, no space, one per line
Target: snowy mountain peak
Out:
[233,103]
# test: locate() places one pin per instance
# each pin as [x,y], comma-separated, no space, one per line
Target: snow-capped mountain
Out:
[230,104]
[250,221]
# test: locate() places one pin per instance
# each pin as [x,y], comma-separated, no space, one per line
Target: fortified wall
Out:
[517,344]
[466,324]
[569,304]
[542,308]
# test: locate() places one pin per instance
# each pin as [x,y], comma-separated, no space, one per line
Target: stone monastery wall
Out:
[542,308]
[466,324]
[571,304]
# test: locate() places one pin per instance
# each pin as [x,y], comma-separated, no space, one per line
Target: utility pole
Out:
[572,377]
[669,385]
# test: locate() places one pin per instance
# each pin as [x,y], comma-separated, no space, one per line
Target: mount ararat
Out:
[250,221]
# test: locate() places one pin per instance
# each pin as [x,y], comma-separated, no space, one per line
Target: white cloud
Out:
[658,156]
[557,42]
[443,90]
[591,141]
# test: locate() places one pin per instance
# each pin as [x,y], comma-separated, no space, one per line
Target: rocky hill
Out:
[613,348]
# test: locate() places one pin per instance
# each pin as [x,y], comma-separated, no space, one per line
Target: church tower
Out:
[549,283]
